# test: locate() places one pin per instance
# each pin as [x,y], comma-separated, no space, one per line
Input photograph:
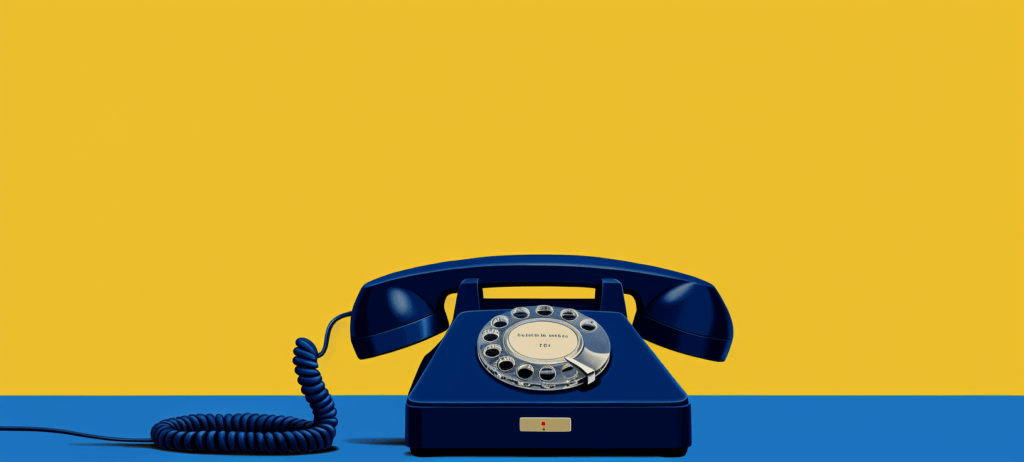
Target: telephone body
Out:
[535,376]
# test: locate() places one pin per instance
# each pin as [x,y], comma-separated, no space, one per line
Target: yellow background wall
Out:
[188,186]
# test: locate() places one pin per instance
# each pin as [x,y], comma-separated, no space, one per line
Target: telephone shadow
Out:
[574,453]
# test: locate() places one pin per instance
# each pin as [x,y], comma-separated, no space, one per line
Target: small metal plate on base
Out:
[543,348]
[545,424]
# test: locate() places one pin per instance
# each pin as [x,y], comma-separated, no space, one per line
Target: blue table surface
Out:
[725,428]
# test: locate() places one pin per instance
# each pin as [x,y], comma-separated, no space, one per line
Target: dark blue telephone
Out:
[565,374]
[511,376]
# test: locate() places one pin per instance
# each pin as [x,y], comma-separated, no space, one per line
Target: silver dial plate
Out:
[543,348]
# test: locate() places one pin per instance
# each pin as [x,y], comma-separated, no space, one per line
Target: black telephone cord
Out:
[247,433]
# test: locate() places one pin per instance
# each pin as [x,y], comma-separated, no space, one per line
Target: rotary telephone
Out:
[510,376]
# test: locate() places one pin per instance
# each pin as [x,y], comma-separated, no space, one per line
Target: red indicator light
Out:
[542,423]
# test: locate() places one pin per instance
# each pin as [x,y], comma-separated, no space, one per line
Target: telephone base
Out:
[636,407]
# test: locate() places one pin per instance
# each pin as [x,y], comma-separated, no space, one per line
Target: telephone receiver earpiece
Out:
[676,311]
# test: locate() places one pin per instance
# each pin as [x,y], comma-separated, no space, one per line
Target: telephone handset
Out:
[550,375]
[676,311]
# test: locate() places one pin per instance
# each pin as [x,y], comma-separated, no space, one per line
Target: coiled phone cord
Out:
[248,433]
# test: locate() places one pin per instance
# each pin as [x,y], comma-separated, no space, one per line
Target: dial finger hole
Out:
[491,335]
[588,325]
[569,314]
[492,351]
[499,321]
[521,313]
[525,371]
[506,363]
[547,373]
[568,371]
[545,310]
